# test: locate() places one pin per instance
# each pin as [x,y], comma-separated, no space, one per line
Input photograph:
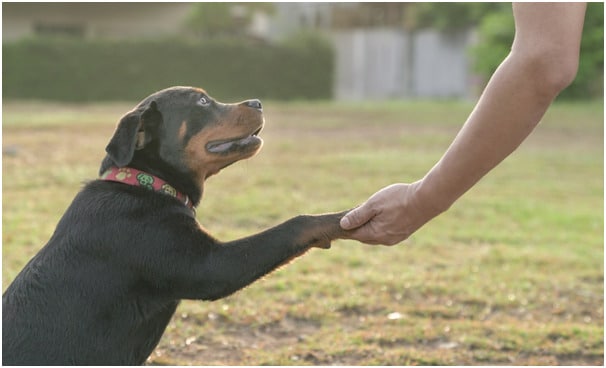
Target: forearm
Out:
[543,61]
[514,101]
[505,115]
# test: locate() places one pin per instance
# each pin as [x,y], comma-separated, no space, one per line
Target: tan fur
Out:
[238,123]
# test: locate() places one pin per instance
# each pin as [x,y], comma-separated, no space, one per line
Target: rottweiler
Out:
[129,247]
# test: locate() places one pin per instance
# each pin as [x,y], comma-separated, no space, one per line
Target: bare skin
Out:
[543,61]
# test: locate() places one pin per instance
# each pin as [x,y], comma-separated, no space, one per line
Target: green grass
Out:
[511,274]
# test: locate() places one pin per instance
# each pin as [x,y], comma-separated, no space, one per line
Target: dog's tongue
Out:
[226,146]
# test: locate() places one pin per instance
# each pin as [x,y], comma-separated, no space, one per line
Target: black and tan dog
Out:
[129,247]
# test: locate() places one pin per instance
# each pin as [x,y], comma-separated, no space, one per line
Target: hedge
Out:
[77,70]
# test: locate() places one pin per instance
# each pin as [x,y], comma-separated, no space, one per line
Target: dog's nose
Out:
[255,104]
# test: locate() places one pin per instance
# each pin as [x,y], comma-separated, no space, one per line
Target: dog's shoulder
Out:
[117,218]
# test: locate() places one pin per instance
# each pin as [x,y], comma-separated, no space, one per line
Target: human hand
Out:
[389,216]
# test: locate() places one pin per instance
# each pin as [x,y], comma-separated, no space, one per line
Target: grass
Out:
[512,274]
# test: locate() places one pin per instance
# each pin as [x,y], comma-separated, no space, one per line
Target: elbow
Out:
[559,74]
[552,69]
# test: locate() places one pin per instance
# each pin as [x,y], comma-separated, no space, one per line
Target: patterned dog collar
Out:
[138,178]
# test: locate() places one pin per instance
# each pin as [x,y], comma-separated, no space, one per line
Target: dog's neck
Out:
[179,181]
[140,178]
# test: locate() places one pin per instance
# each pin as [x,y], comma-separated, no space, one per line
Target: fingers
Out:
[357,217]
[369,235]
[364,235]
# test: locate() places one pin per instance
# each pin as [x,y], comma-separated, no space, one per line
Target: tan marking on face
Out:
[239,122]
[199,161]
[182,130]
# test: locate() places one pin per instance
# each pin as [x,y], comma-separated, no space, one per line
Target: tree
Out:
[451,16]
[589,81]
[224,19]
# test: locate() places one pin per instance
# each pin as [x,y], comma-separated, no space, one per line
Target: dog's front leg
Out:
[233,265]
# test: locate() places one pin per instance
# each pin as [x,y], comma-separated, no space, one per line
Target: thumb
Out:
[357,217]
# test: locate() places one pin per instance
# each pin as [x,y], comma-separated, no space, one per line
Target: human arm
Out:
[543,61]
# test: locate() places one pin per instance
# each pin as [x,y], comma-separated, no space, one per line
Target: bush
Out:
[589,81]
[230,69]
[496,36]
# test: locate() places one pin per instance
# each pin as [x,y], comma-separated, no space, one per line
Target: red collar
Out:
[138,178]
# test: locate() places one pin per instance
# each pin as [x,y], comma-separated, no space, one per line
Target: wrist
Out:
[429,199]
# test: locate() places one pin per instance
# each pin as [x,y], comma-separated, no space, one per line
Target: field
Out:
[512,274]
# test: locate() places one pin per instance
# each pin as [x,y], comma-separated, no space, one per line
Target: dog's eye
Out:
[203,101]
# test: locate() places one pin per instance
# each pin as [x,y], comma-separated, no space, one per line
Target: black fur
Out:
[104,287]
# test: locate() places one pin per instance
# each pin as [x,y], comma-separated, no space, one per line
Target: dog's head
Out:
[185,136]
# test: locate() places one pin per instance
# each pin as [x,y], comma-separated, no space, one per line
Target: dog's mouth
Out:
[243,143]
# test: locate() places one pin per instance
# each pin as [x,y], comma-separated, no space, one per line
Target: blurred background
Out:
[280,51]
[357,96]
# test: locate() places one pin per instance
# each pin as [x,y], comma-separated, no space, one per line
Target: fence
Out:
[388,63]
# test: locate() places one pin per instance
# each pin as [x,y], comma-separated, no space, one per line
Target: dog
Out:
[129,247]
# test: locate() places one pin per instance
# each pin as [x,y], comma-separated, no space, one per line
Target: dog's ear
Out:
[135,130]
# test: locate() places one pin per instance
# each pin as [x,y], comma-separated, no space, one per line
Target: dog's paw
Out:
[324,244]
[323,229]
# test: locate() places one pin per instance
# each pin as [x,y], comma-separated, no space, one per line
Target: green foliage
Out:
[71,70]
[590,76]
[450,16]
[211,19]
[496,31]
[496,36]
[218,19]
[320,62]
